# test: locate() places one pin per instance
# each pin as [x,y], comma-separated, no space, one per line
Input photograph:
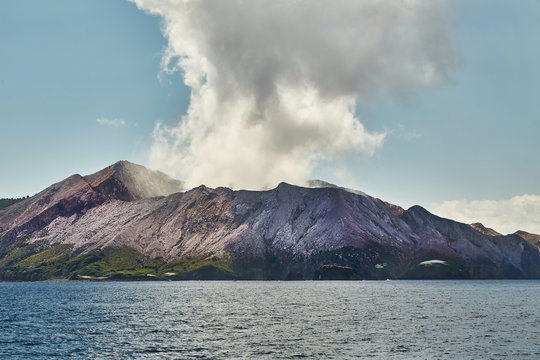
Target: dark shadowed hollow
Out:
[272,320]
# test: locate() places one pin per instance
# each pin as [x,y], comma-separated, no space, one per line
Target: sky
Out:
[83,85]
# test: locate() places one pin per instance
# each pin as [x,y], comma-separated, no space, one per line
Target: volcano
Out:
[129,222]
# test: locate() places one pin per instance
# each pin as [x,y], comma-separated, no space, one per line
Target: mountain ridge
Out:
[289,232]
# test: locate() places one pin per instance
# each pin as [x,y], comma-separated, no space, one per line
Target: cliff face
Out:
[128,222]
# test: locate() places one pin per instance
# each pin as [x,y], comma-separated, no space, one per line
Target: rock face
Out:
[484,230]
[129,222]
[531,238]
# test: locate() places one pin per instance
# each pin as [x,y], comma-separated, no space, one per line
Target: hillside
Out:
[129,222]
[8,202]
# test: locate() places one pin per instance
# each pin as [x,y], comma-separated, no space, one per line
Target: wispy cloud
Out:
[507,216]
[115,122]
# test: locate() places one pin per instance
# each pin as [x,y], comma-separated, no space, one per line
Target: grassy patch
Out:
[111,262]
[194,263]
[16,252]
[23,261]
[48,257]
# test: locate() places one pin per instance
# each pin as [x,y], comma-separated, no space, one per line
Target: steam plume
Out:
[275,83]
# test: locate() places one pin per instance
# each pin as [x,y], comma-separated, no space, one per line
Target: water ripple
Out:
[270,320]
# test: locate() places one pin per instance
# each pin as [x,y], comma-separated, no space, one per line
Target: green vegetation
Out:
[23,261]
[192,264]
[7,202]
[127,263]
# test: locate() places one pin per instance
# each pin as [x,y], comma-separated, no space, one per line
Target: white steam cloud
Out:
[506,216]
[275,83]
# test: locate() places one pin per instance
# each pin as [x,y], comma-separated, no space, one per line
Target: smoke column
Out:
[274,84]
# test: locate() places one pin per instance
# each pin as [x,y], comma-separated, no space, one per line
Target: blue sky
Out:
[478,134]
[65,64]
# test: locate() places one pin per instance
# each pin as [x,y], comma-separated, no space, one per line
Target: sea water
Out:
[272,320]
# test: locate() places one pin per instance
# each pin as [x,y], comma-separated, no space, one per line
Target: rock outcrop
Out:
[531,238]
[484,230]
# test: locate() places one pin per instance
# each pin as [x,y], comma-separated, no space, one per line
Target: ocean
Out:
[271,320]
